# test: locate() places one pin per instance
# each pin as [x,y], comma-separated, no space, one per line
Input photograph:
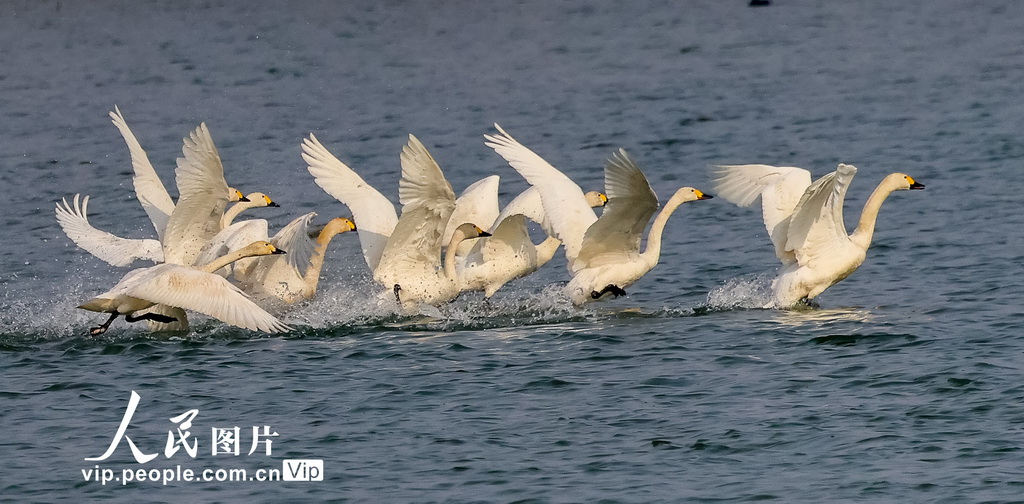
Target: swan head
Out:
[596,199]
[234,195]
[258,199]
[468,231]
[262,248]
[688,194]
[339,225]
[913,183]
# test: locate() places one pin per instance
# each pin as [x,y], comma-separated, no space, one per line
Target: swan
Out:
[183,287]
[509,253]
[288,279]
[374,214]
[805,222]
[199,213]
[155,200]
[114,250]
[563,201]
[603,253]
[149,189]
[410,264]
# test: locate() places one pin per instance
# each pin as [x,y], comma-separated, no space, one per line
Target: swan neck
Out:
[652,252]
[866,226]
[450,255]
[231,213]
[316,261]
[225,260]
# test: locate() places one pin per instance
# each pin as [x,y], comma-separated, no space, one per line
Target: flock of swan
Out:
[437,246]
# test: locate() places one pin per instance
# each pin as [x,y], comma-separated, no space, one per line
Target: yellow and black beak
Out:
[278,251]
[351,225]
[241,197]
[604,198]
[914,184]
[270,202]
[701,195]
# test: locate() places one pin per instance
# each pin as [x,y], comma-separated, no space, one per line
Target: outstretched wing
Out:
[148,187]
[374,215]
[564,203]
[631,203]
[203,196]
[478,204]
[107,247]
[295,239]
[427,205]
[205,293]
[780,189]
[817,229]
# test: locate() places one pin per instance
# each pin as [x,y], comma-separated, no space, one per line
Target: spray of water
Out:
[747,292]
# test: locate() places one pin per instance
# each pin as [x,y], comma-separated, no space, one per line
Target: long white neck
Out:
[316,261]
[652,253]
[866,227]
[450,255]
[227,259]
[231,213]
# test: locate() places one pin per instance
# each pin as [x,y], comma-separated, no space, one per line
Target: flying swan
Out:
[186,288]
[603,253]
[805,222]
[410,264]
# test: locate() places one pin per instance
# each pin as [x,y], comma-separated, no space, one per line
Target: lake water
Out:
[907,384]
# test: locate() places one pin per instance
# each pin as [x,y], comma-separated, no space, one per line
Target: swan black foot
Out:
[102,328]
[614,289]
[398,288]
[155,317]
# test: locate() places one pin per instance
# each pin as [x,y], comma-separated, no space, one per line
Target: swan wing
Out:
[529,205]
[780,189]
[422,182]
[427,204]
[148,187]
[203,196]
[106,246]
[817,229]
[478,204]
[206,293]
[195,221]
[563,201]
[201,169]
[509,239]
[295,239]
[631,202]
[374,215]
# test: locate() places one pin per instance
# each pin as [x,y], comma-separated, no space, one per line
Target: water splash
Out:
[358,305]
[746,292]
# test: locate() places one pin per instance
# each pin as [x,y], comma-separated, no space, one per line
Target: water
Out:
[905,385]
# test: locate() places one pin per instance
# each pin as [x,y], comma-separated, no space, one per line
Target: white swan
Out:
[202,199]
[410,264]
[149,189]
[117,251]
[563,201]
[509,253]
[603,253]
[805,222]
[289,278]
[373,213]
[189,288]
[155,200]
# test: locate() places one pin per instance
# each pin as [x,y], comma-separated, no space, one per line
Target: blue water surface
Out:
[906,384]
